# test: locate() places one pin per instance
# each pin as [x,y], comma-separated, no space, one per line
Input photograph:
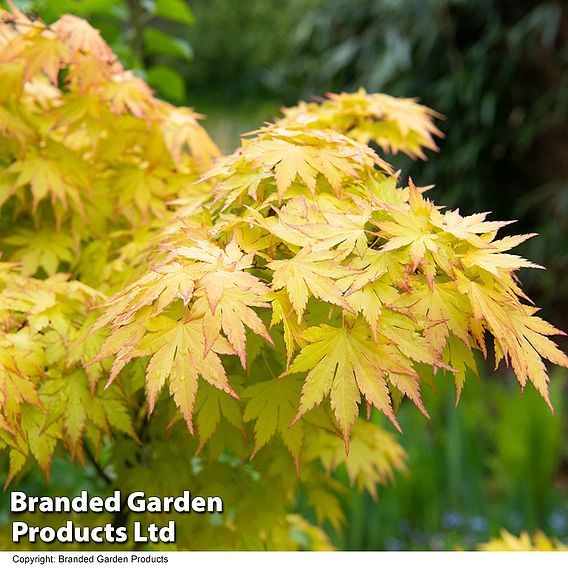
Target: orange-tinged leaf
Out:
[321,226]
[495,262]
[395,124]
[467,228]
[128,93]
[39,52]
[516,338]
[17,461]
[446,309]
[80,36]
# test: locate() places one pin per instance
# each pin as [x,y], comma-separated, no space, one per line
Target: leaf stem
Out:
[263,355]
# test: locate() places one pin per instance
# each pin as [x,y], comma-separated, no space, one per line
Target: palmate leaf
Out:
[182,131]
[47,177]
[41,249]
[81,37]
[226,296]
[70,413]
[519,337]
[20,359]
[344,363]
[292,153]
[178,349]
[281,161]
[211,406]
[272,404]
[41,50]
[321,224]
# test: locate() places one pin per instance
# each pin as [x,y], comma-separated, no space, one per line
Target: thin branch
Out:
[97,466]
[31,24]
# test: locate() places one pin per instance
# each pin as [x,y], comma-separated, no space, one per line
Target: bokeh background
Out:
[498,71]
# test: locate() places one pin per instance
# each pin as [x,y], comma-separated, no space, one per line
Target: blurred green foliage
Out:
[237,44]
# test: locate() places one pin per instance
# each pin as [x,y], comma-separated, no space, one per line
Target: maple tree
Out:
[229,315]
[523,543]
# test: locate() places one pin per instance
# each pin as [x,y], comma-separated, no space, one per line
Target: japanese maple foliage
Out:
[259,300]
[365,281]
